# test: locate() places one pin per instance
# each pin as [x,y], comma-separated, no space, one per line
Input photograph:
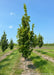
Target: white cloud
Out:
[10,27]
[12,13]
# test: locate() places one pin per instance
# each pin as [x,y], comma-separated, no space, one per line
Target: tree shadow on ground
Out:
[44,52]
[28,59]
[38,62]
[41,52]
[4,60]
[7,59]
[1,66]
[31,66]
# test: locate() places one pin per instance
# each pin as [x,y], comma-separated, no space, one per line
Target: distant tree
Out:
[35,41]
[15,44]
[40,41]
[11,45]
[32,37]
[4,42]
[25,36]
[0,42]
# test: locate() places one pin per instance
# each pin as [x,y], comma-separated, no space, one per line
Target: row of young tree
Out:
[4,42]
[26,37]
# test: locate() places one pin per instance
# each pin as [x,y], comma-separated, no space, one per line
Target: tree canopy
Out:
[4,42]
[11,45]
[26,37]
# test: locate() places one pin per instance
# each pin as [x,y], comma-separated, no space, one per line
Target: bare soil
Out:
[28,67]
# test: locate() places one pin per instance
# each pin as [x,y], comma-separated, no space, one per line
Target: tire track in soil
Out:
[45,56]
[6,54]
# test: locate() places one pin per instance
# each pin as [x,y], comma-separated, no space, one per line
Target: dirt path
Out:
[5,55]
[45,56]
[28,67]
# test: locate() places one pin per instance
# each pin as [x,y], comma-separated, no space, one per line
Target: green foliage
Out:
[25,36]
[11,45]
[0,42]
[15,44]
[35,40]
[40,41]
[7,64]
[4,42]
[32,27]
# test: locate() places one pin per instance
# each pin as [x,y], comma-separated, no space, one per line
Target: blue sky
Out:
[41,13]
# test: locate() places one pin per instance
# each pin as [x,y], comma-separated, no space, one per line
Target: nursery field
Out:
[10,65]
[14,64]
[46,50]
[43,67]
[6,51]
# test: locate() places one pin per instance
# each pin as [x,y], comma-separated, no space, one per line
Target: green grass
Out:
[51,54]
[47,48]
[2,53]
[42,65]
[10,65]
[6,51]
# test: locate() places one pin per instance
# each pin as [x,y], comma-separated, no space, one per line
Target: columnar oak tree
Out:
[11,45]
[35,41]
[40,40]
[25,36]
[0,42]
[4,42]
